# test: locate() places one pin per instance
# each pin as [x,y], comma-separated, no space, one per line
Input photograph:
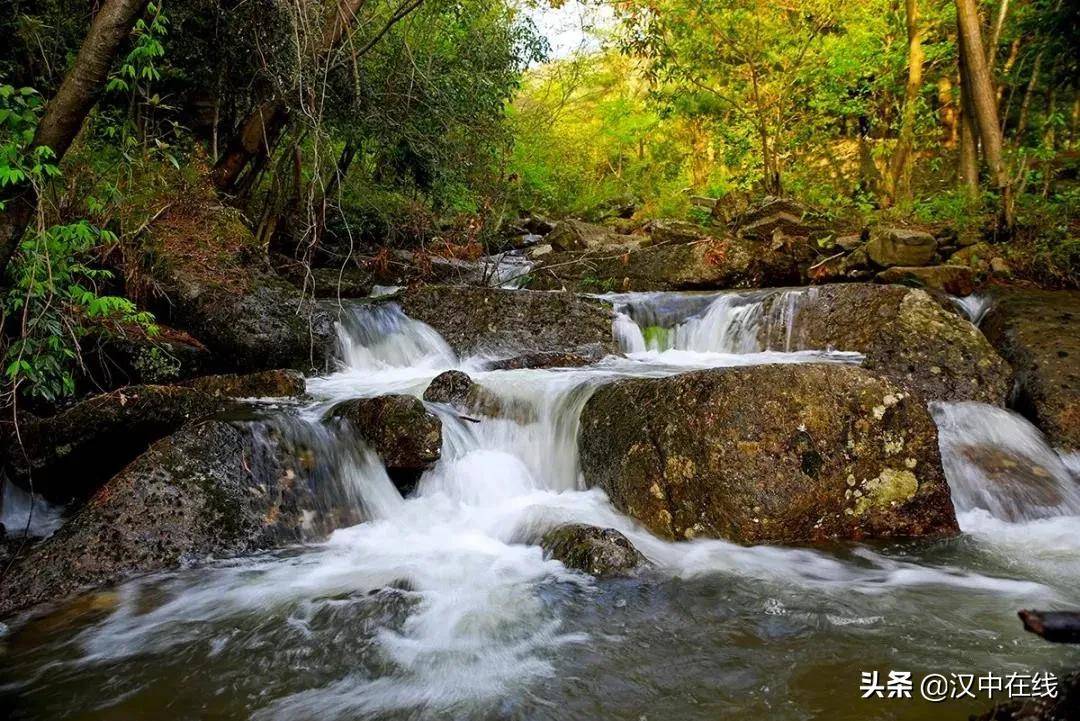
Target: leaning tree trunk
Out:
[65,113]
[899,178]
[980,87]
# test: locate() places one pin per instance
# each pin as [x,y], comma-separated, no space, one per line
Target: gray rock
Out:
[899,246]
[600,552]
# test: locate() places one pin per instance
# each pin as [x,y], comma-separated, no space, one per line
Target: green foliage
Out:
[52,298]
[56,303]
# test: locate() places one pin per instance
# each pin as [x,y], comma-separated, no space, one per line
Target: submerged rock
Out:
[889,247]
[768,454]
[905,335]
[952,279]
[265,384]
[407,437]
[599,552]
[495,321]
[1038,331]
[71,454]
[214,488]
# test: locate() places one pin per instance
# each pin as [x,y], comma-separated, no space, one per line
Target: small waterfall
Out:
[997,461]
[739,323]
[974,307]
[376,336]
[22,513]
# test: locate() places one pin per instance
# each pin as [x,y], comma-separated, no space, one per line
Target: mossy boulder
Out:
[600,552]
[405,434]
[214,488]
[768,454]
[1038,331]
[457,389]
[71,454]
[496,321]
[451,388]
[906,335]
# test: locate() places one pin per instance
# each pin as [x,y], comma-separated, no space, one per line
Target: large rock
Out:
[1038,331]
[579,235]
[773,215]
[401,430]
[494,321]
[709,263]
[219,286]
[899,246]
[952,279]
[69,455]
[904,334]
[768,454]
[129,356]
[457,389]
[600,552]
[215,488]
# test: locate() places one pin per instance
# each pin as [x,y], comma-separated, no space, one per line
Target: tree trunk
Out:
[899,179]
[949,111]
[967,169]
[65,113]
[983,102]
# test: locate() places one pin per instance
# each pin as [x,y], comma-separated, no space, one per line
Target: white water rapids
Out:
[442,606]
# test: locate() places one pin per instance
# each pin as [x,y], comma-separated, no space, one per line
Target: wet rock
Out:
[214,488]
[768,454]
[717,261]
[952,279]
[889,247]
[457,389]
[451,388]
[579,235]
[265,384]
[550,359]
[496,321]
[1038,332]
[600,552]
[349,281]
[71,454]
[399,428]
[905,335]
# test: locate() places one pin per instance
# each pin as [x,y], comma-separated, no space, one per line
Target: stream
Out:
[442,606]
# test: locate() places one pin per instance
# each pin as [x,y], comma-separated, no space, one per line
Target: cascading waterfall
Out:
[997,461]
[442,606]
[735,322]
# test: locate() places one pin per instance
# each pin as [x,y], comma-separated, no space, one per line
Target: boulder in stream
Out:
[600,552]
[214,488]
[768,454]
[905,334]
[1038,331]
[405,434]
[951,279]
[457,389]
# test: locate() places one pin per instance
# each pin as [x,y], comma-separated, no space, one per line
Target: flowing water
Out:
[441,606]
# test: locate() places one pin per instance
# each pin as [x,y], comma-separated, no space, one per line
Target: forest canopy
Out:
[435,125]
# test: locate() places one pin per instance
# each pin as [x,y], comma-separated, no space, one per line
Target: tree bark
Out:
[967,169]
[899,180]
[984,103]
[65,113]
